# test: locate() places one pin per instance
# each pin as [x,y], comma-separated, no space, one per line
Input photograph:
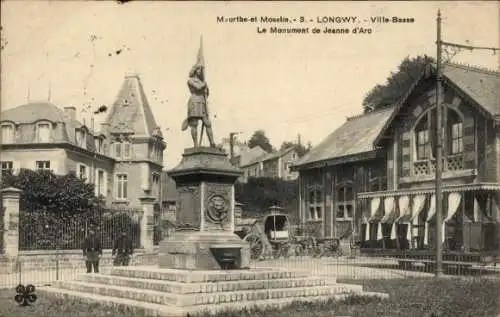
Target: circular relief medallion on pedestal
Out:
[217,209]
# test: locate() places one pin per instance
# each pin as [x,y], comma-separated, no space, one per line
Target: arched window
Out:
[455,133]
[422,138]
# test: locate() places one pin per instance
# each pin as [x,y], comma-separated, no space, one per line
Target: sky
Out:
[284,84]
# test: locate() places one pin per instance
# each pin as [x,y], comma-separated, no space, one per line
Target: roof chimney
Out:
[70,113]
[104,128]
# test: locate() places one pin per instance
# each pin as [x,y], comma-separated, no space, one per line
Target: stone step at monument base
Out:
[183,291]
[209,287]
[155,310]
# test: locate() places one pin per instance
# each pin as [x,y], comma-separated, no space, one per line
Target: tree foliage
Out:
[398,83]
[259,138]
[299,147]
[59,194]
[258,194]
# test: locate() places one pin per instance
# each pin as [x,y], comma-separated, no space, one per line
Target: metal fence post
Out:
[57,261]
[19,269]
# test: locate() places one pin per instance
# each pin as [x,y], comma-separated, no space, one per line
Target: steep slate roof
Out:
[131,113]
[480,84]
[275,155]
[355,136]
[32,112]
[41,110]
[267,156]
[249,155]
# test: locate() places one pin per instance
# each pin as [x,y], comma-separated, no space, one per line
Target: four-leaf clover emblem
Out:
[25,295]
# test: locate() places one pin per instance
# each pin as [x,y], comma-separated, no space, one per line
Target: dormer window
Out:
[7,133]
[81,138]
[99,145]
[43,132]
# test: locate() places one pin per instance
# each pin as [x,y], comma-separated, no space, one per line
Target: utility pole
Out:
[439,155]
[439,137]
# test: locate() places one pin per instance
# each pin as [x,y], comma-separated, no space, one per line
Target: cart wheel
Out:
[256,246]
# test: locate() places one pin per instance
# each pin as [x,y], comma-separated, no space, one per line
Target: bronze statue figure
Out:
[197,106]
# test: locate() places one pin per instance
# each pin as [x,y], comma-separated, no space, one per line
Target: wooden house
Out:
[375,175]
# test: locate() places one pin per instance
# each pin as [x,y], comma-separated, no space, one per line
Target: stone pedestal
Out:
[204,238]
[10,213]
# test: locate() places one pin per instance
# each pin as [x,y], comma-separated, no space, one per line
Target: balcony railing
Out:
[428,167]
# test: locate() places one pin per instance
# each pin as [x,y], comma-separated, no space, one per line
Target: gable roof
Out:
[268,156]
[248,155]
[354,137]
[277,154]
[480,84]
[131,112]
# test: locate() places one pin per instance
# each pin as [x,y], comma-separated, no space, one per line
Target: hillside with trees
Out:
[397,84]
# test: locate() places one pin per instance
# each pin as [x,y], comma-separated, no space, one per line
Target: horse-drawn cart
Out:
[268,236]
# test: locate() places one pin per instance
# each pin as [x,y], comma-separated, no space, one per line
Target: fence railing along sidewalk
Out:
[45,268]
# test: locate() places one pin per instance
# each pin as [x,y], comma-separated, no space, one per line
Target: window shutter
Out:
[87,174]
[105,183]
[96,182]
[469,145]
[406,150]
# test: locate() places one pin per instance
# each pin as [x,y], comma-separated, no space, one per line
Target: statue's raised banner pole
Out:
[198,102]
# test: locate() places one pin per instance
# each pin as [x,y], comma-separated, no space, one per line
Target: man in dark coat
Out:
[92,251]
[123,249]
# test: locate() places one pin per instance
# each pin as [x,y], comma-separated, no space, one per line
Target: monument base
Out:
[204,251]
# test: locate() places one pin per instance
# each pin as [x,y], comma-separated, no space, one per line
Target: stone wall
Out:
[64,259]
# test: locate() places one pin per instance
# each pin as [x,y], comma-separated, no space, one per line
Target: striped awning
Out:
[431,190]
[404,209]
[495,210]
[418,206]
[432,209]
[454,200]
[389,209]
[374,208]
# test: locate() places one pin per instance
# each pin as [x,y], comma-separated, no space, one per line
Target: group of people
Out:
[92,251]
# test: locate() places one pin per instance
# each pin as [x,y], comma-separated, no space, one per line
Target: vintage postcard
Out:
[240,158]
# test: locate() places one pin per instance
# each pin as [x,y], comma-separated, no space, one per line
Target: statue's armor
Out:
[197,101]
